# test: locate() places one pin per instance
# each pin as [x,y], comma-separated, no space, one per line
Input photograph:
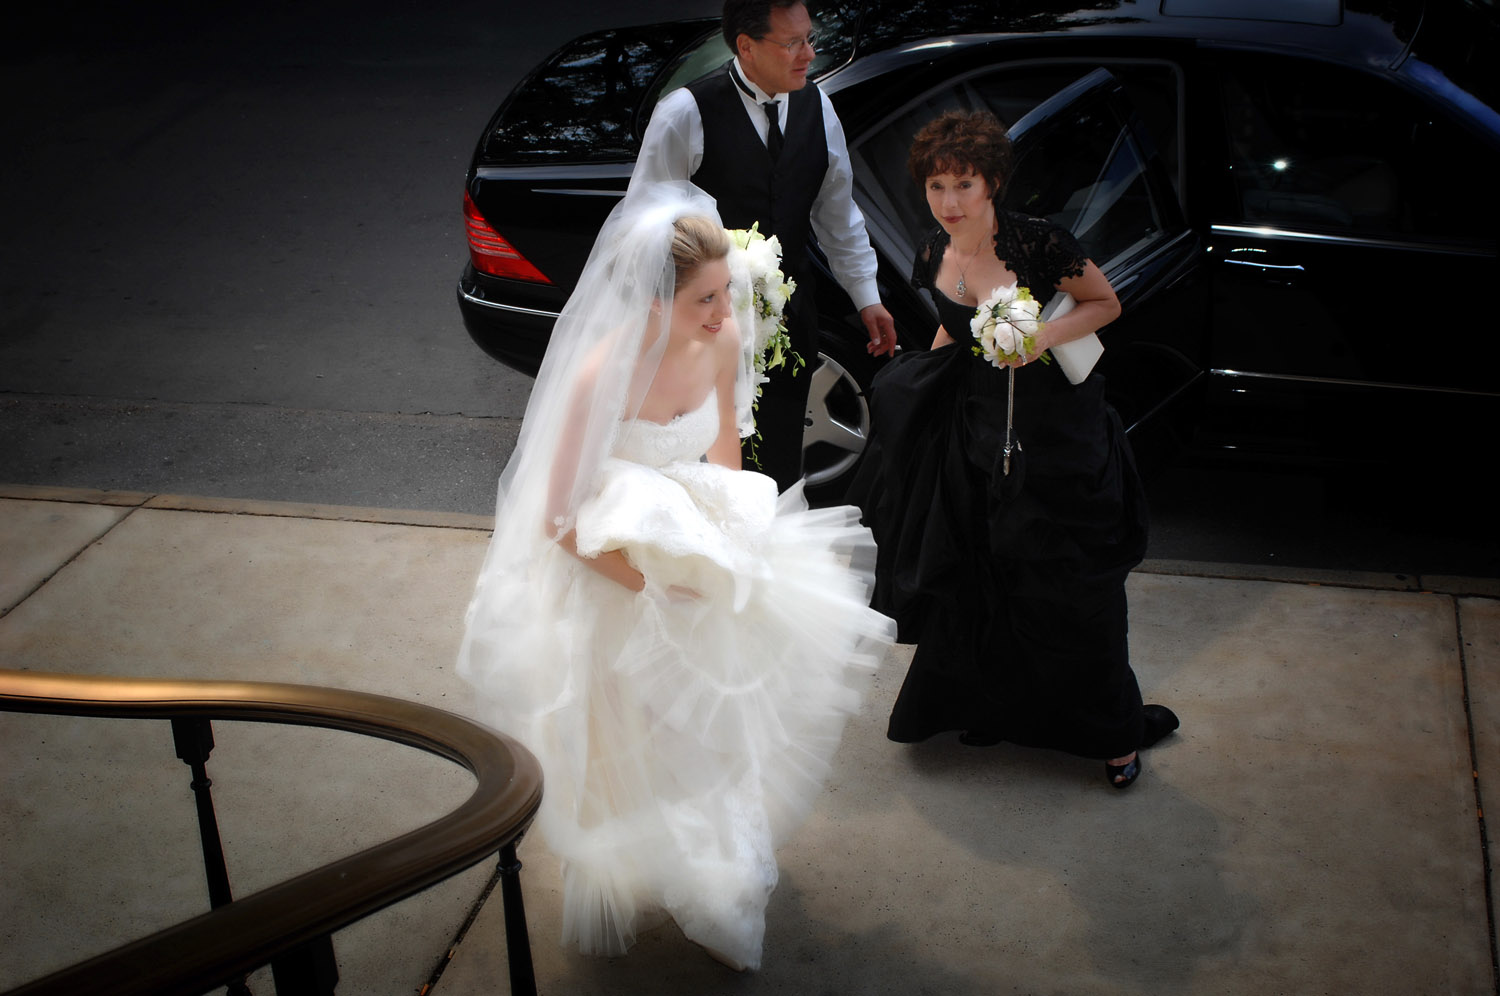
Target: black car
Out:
[1294,199]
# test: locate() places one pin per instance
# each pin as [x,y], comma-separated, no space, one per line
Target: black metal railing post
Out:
[193,737]
[517,939]
[310,970]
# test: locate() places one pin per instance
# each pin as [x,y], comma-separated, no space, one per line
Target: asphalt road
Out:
[232,237]
[231,242]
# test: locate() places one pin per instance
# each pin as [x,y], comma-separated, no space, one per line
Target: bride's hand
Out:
[675,594]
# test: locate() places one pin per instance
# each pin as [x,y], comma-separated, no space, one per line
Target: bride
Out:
[679,647]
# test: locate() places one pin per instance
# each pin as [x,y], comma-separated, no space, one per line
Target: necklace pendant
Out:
[961,288]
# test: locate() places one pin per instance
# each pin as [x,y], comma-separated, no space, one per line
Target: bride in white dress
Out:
[678,646]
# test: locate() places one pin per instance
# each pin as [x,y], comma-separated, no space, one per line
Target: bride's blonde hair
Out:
[696,240]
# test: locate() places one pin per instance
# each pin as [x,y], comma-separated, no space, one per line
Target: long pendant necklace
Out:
[962,287]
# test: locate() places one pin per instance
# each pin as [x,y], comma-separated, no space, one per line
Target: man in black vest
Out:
[770,149]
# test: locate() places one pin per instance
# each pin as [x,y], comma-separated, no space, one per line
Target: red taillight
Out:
[491,253]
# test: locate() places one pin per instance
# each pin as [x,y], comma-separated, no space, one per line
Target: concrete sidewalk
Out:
[1315,827]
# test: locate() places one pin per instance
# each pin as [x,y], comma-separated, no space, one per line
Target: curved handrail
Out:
[233,940]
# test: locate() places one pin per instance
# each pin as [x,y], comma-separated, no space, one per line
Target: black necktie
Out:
[773,129]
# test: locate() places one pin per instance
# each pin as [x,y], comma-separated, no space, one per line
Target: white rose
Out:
[1005,339]
[1003,295]
[764,256]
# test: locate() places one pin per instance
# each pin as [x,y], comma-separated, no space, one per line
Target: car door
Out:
[1084,160]
[1352,225]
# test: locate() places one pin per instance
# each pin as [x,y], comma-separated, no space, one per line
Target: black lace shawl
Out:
[1038,252]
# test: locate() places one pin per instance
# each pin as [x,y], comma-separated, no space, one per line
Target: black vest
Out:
[737,170]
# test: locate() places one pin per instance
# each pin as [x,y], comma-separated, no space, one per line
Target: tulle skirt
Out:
[684,731]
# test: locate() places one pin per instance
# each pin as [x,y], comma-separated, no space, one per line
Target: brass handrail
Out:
[209,950]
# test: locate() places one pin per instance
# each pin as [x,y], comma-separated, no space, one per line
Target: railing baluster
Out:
[310,970]
[193,737]
[517,940]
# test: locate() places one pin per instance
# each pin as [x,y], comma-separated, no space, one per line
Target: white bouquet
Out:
[760,294]
[1005,326]
[755,268]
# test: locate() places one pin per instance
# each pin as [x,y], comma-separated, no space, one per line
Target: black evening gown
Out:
[1012,586]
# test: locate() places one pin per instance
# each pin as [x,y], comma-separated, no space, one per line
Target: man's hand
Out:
[882,329]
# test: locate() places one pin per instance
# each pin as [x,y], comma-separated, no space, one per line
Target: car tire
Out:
[838,416]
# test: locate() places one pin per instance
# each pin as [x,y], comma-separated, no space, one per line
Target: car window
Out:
[1086,168]
[1324,149]
[1087,174]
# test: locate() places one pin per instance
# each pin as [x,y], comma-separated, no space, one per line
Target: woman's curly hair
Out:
[962,142]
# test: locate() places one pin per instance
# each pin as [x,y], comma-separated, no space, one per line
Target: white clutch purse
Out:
[1077,358]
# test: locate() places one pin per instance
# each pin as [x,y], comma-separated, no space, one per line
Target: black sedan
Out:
[1294,199]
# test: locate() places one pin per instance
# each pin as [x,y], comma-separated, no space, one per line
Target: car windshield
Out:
[834,24]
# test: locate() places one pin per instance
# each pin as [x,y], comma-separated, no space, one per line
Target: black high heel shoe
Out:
[1157,722]
[1123,775]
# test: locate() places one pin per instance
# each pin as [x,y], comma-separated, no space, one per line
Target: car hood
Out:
[582,103]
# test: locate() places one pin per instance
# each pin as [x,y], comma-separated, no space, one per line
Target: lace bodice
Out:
[1038,252]
[686,438]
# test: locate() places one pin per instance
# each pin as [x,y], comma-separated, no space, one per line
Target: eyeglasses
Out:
[811,41]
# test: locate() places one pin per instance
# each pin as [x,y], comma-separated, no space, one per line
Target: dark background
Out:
[231,242]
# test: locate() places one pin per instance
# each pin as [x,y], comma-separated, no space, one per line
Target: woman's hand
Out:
[672,594]
[1021,361]
[1095,306]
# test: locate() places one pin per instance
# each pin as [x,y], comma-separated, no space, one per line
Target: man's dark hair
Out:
[750,17]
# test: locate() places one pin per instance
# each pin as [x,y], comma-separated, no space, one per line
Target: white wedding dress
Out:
[685,731]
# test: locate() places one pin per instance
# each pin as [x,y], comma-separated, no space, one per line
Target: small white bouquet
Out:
[755,266]
[1005,326]
[755,270]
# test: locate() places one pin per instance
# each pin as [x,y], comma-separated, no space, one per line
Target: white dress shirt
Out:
[672,149]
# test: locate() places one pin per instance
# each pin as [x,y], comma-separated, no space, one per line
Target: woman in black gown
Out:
[1012,585]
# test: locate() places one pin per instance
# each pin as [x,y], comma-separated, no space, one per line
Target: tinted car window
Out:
[579,103]
[1321,148]
[1089,177]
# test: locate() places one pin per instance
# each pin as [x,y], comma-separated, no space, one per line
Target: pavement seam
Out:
[132,405]
[1484,847]
[1416,584]
[249,506]
[6,610]
[463,930]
